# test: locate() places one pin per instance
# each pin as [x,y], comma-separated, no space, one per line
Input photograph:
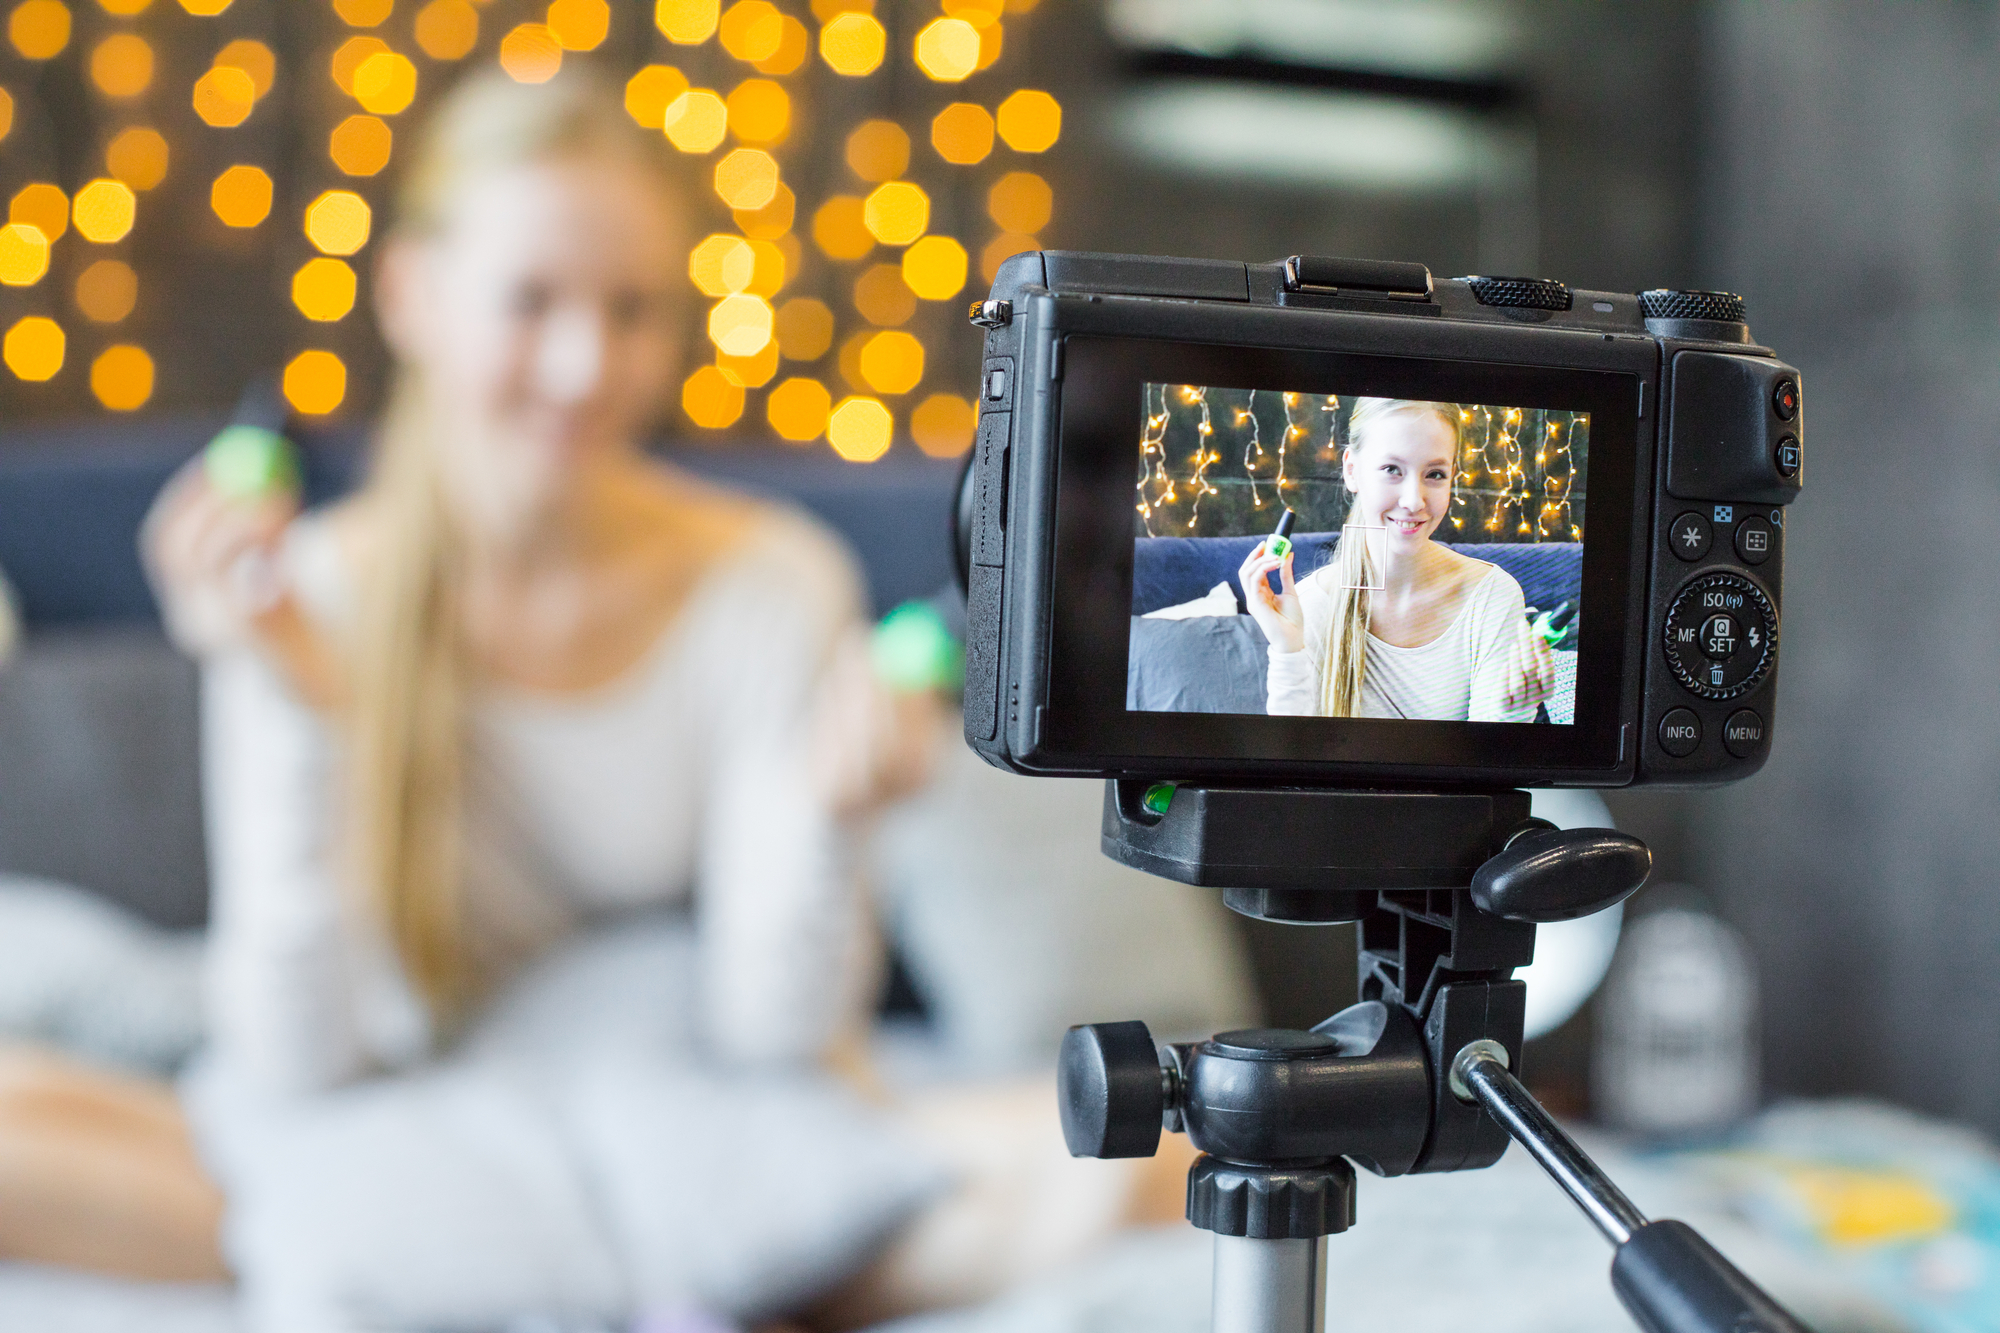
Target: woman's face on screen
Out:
[544,322]
[1399,472]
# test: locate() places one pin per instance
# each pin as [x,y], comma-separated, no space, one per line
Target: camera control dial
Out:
[1722,633]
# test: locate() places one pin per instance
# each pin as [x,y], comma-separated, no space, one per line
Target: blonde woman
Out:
[529,684]
[1396,625]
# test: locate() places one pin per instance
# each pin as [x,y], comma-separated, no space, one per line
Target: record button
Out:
[1680,733]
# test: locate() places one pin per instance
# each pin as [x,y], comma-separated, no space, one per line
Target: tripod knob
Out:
[1112,1090]
[1552,874]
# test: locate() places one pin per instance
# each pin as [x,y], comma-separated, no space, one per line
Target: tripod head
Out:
[1446,889]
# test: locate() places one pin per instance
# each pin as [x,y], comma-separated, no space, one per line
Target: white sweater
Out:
[1460,676]
[684,781]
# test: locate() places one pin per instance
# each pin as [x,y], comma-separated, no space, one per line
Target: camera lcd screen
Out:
[1159,516]
[1352,555]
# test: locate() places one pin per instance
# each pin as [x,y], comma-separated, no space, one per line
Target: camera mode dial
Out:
[1519,293]
[1672,303]
[1722,634]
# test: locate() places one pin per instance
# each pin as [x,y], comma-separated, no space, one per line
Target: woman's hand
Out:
[872,744]
[213,560]
[1278,614]
[1532,674]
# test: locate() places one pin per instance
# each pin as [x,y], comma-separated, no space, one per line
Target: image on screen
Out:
[1328,555]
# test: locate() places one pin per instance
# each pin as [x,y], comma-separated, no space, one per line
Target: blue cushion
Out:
[1204,664]
[1169,570]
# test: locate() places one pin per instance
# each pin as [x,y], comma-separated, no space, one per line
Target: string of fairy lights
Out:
[842,237]
[1520,479]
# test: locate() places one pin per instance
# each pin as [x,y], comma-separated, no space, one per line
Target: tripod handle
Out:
[1668,1278]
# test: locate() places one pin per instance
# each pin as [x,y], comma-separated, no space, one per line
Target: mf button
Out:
[1743,733]
[1680,733]
[1689,536]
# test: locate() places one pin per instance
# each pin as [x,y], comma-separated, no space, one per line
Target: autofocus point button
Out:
[1689,536]
[1743,733]
[1754,539]
[1680,733]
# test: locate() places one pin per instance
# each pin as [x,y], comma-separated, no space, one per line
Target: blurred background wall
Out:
[1835,163]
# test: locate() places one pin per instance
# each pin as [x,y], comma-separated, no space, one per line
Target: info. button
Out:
[1680,733]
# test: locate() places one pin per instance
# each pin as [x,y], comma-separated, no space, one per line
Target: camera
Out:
[1334,522]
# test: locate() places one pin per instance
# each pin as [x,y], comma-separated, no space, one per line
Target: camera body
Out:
[1624,461]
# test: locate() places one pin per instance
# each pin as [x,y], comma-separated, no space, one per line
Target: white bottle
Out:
[1676,1032]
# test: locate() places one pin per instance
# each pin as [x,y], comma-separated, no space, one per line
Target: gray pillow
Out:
[1204,664]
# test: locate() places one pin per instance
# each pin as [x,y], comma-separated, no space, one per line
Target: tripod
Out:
[1446,889]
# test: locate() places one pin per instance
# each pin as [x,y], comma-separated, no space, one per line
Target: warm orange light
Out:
[338,222]
[1003,248]
[805,329]
[752,30]
[138,156]
[935,268]
[315,382]
[747,178]
[962,133]
[711,399]
[882,297]
[948,49]
[740,325]
[122,377]
[24,254]
[648,92]
[1020,201]
[897,213]
[386,83]
[828,10]
[943,425]
[860,429]
[447,29]
[580,25]
[853,44]
[107,291]
[771,221]
[878,150]
[104,211]
[722,265]
[34,348]
[849,359]
[39,30]
[979,13]
[125,9]
[840,228]
[697,121]
[770,271]
[224,96]
[122,65]
[205,9]
[363,13]
[991,40]
[530,53]
[794,43]
[349,57]
[892,361]
[360,145]
[752,372]
[6,113]
[43,206]
[1030,121]
[760,111]
[241,196]
[798,409]
[323,290]
[686,22]
[253,58]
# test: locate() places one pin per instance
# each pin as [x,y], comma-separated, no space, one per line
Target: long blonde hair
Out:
[1344,652]
[408,676]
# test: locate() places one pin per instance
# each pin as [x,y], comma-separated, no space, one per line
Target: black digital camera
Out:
[1334,522]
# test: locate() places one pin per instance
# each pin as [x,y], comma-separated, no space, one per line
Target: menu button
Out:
[1743,733]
